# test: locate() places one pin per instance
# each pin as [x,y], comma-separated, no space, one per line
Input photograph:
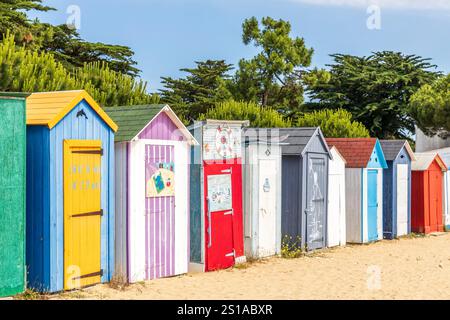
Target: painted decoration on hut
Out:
[160,180]
[219,192]
[316,200]
[224,137]
[222,142]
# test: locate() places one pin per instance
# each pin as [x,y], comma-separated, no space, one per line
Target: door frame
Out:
[397,169]
[68,145]
[377,173]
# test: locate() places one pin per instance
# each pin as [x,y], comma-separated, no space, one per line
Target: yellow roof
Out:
[48,108]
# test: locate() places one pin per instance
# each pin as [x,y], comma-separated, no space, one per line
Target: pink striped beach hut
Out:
[152,152]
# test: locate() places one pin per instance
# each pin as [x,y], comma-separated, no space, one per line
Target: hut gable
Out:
[426,159]
[444,154]
[360,152]
[302,140]
[49,108]
[157,121]
[393,148]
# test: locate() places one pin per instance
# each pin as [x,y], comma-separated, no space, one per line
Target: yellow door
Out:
[82,213]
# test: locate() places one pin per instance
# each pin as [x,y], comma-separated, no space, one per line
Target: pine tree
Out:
[200,90]
[24,70]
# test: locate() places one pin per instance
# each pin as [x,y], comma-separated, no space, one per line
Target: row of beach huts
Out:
[91,194]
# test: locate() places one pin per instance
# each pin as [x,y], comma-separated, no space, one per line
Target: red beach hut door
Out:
[220,253]
[435,184]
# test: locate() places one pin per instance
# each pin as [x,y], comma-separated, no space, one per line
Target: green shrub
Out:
[259,117]
[334,124]
[291,248]
[24,70]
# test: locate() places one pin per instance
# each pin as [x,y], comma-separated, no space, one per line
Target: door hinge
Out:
[100,151]
[88,214]
[90,275]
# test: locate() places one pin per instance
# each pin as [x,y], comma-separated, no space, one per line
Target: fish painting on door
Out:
[315,200]
[160,211]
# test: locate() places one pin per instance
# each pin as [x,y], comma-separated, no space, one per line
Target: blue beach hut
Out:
[397,188]
[70,188]
[364,187]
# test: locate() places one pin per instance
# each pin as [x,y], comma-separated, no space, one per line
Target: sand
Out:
[409,268]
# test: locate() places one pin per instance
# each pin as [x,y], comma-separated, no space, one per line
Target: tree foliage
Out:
[13,14]
[334,124]
[274,76]
[67,46]
[374,89]
[200,90]
[23,70]
[430,107]
[258,116]
[63,41]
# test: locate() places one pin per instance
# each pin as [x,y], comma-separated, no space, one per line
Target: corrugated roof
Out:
[48,108]
[134,119]
[424,160]
[356,151]
[391,149]
[298,139]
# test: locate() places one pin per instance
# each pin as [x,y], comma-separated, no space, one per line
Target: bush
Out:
[259,117]
[430,107]
[23,70]
[334,124]
[291,248]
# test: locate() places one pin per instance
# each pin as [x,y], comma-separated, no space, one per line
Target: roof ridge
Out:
[60,91]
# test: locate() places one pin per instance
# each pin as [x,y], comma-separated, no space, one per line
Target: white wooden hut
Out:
[262,192]
[336,226]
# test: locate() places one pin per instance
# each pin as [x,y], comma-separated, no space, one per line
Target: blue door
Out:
[372,199]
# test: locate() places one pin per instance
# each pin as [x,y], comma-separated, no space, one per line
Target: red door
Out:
[435,183]
[223,215]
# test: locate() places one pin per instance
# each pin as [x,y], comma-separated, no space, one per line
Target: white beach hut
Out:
[336,200]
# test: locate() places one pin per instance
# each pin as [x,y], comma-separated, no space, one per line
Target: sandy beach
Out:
[409,268]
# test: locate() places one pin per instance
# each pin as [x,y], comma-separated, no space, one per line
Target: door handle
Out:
[209,223]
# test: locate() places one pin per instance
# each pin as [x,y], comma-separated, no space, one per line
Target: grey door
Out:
[315,201]
[291,193]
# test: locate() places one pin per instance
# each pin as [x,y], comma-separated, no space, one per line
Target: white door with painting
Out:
[267,207]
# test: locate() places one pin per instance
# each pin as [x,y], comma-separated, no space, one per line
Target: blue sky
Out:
[167,35]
